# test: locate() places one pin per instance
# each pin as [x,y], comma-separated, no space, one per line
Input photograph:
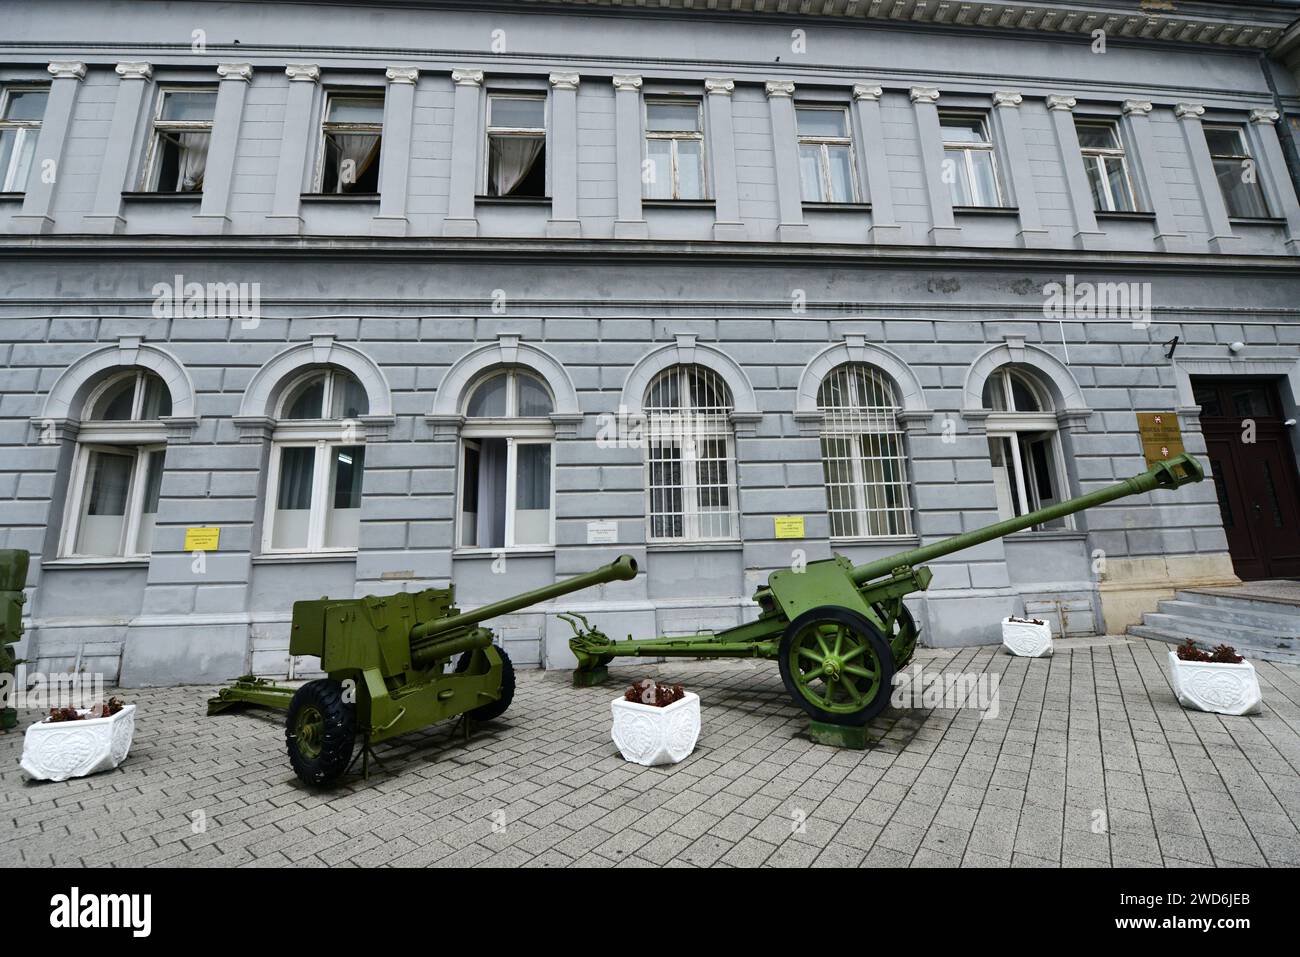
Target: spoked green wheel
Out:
[836,665]
[320,731]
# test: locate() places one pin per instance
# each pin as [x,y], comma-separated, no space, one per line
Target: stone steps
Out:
[1260,628]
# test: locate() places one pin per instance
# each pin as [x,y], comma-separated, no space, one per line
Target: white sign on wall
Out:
[602,533]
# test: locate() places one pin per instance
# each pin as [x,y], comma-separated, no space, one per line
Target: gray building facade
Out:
[357,298]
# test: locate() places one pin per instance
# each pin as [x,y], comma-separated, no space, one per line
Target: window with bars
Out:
[21,111]
[1237,172]
[1103,157]
[690,457]
[862,454]
[182,133]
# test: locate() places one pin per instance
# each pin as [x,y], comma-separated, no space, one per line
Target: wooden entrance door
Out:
[1256,481]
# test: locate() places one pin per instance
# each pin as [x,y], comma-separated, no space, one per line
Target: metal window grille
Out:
[862,454]
[690,456]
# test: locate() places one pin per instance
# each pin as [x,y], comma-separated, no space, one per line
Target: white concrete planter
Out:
[649,735]
[58,750]
[1026,638]
[1215,686]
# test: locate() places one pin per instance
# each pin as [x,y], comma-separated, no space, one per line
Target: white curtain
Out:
[357,150]
[193,160]
[512,159]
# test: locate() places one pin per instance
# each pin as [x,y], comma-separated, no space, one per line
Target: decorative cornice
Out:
[1136,107]
[867,91]
[924,94]
[720,86]
[302,72]
[467,77]
[1058,101]
[67,70]
[1007,98]
[779,88]
[564,81]
[235,71]
[134,71]
[402,74]
[1266,116]
[627,81]
[1189,111]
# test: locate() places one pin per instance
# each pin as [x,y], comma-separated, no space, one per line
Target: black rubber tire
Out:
[861,626]
[494,709]
[338,740]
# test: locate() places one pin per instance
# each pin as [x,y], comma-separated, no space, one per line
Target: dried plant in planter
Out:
[1026,621]
[104,709]
[646,691]
[1221,654]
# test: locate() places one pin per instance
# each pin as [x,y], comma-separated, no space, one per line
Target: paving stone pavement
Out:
[1089,762]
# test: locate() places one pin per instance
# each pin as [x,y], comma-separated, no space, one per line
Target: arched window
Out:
[117,470]
[506,491]
[1023,444]
[317,461]
[690,456]
[862,454]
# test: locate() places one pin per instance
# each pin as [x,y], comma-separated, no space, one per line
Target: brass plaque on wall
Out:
[1162,437]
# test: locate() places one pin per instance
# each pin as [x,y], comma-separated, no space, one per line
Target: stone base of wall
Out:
[1131,587]
[189,649]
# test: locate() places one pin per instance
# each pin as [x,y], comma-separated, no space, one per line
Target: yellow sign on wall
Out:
[1162,438]
[202,539]
[789,526]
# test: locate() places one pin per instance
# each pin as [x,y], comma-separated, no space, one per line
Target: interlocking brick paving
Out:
[1089,762]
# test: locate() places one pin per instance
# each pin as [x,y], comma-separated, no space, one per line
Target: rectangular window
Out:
[317,497]
[21,111]
[1237,172]
[969,166]
[506,492]
[516,146]
[826,156]
[178,147]
[115,501]
[351,138]
[1103,158]
[1026,475]
[674,148]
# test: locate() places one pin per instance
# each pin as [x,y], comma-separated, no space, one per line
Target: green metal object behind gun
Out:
[840,631]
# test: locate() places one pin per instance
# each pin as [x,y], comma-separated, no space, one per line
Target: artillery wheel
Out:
[493,709]
[836,665]
[320,730]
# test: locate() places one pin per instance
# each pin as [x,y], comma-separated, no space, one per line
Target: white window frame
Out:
[1009,424]
[516,430]
[966,149]
[369,129]
[23,129]
[135,437]
[1096,156]
[323,435]
[674,136]
[824,162]
[158,126]
[657,422]
[531,132]
[1239,159]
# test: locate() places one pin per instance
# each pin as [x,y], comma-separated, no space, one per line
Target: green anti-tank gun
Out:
[840,631]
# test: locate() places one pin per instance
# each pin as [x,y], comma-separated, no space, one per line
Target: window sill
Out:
[835,207]
[1047,535]
[512,201]
[302,558]
[987,210]
[141,562]
[878,540]
[733,545]
[153,197]
[1138,214]
[1257,220]
[516,551]
[678,203]
[339,197]
[12,196]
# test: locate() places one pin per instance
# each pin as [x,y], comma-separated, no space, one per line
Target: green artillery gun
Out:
[13,578]
[387,661]
[839,632]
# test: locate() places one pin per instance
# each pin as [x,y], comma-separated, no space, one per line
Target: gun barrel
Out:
[1180,470]
[622,568]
